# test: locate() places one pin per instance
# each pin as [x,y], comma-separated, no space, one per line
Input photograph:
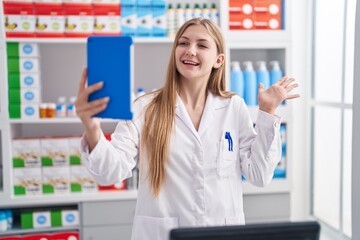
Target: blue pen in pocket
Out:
[230,142]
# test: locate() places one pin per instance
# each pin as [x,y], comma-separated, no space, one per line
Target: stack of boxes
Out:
[61,18]
[53,166]
[49,166]
[144,18]
[255,14]
[24,80]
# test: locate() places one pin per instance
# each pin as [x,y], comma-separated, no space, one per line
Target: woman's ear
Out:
[219,61]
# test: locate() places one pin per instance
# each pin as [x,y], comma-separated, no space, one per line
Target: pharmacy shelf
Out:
[275,186]
[83,40]
[20,231]
[68,198]
[55,121]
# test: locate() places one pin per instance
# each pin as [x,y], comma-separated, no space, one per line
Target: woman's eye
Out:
[202,46]
[181,43]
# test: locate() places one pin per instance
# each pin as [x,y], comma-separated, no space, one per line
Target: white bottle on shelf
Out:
[205,11]
[214,14]
[71,110]
[189,12]
[171,25]
[180,16]
[61,107]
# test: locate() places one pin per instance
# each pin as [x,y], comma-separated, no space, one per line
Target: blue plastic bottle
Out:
[262,76]
[249,84]
[275,72]
[236,79]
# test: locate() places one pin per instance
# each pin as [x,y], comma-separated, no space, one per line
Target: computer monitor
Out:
[309,230]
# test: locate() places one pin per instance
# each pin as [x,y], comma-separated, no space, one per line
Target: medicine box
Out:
[22,80]
[27,181]
[79,20]
[24,95]
[15,49]
[144,18]
[75,150]
[35,219]
[54,152]
[23,65]
[26,153]
[50,20]
[24,111]
[159,25]
[128,19]
[107,20]
[81,180]
[56,180]
[65,236]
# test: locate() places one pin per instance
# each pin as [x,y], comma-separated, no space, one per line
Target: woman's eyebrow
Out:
[198,40]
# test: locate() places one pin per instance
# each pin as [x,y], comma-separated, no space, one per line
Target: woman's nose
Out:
[191,52]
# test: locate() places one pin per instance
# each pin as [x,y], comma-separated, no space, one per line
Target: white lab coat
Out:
[203,185]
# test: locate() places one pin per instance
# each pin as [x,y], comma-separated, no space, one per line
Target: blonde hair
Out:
[160,113]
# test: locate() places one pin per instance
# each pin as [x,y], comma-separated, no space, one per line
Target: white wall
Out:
[301,62]
[356,134]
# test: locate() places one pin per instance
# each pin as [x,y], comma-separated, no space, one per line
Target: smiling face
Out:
[196,54]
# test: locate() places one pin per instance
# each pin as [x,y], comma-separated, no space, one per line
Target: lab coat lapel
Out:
[208,114]
[182,113]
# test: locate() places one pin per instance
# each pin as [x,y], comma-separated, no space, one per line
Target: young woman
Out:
[192,139]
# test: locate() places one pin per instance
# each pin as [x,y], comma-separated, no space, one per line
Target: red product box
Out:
[37,237]
[107,20]
[65,236]
[241,14]
[268,14]
[114,187]
[245,7]
[50,20]
[241,22]
[19,19]
[79,20]
[11,238]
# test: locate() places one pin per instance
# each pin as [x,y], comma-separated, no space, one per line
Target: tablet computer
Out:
[110,59]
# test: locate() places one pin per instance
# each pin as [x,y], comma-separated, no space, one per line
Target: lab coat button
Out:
[276,124]
[267,158]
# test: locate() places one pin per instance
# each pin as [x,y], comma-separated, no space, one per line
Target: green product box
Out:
[56,218]
[13,65]
[26,220]
[14,96]
[14,80]
[15,111]
[12,49]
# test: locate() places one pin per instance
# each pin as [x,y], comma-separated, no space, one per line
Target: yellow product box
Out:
[81,180]
[27,181]
[56,180]
[75,150]
[54,152]
[19,24]
[26,153]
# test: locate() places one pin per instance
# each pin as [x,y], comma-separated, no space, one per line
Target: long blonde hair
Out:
[160,113]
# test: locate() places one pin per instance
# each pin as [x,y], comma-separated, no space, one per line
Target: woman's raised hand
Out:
[85,109]
[272,97]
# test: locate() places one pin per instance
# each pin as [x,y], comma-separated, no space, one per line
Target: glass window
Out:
[347,150]
[327,127]
[329,35]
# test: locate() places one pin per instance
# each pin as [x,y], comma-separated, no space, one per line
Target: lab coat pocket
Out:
[226,161]
[150,228]
[235,220]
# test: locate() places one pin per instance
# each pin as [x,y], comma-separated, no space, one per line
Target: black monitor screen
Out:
[309,230]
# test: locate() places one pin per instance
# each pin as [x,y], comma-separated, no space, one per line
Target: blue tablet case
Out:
[109,59]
